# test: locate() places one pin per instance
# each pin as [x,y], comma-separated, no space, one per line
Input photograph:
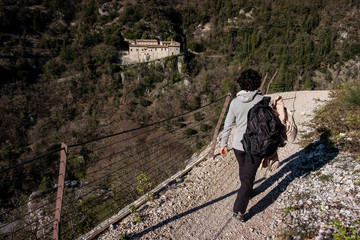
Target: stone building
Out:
[145,50]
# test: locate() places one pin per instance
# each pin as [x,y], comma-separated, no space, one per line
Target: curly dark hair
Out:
[249,80]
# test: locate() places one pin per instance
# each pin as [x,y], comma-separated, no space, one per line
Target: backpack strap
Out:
[266,100]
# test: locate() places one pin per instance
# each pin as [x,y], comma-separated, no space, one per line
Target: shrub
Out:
[144,102]
[205,127]
[113,37]
[199,145]
[171,61]
[180,124]
[195,46]
[175,77]
[352,95]
[340,115]
[8,153]
[198,116]
[103,54]
[53,68]
[190,131]
[68,54]
[346,231]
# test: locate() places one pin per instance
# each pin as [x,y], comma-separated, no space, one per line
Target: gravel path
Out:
[199,206]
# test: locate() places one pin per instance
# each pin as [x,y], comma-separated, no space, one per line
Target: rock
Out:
[186,83]
[105,8]
[74,183]
[34,195]
[67,183]
[179,180]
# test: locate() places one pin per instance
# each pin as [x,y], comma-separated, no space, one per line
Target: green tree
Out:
[307,83]
[103,53]
[53,68]
[113,37]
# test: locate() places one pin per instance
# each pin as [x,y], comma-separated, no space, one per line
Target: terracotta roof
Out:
[150,46]
[163,44]
[146,40]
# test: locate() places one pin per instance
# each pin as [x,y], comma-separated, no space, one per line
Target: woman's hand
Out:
[224,151]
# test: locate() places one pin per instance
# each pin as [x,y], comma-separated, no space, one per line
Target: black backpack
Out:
[263,131]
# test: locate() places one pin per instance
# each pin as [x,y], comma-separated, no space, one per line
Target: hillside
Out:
[61,81]
[58,59]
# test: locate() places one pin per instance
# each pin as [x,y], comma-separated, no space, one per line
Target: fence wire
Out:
[103,175]
[28,197]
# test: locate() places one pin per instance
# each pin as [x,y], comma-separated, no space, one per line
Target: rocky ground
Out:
[302,199]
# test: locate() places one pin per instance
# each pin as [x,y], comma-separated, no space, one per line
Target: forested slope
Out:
[61,81]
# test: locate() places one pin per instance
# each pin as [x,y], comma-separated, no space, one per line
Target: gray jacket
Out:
[238,112]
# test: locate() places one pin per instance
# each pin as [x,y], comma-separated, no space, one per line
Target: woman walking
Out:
[249,82]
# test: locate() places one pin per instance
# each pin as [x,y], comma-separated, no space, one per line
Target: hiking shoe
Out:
[239,216]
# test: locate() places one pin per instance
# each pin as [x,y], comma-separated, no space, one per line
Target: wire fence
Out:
[28,198]
[102,175]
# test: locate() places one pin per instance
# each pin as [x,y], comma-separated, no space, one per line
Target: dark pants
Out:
[247,172]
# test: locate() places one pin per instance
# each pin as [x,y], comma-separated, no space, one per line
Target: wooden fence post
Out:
[213,144]
[263,82]
[60,191]
[271,80]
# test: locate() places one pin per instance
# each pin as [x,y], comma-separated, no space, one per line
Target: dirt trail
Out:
[200,206]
